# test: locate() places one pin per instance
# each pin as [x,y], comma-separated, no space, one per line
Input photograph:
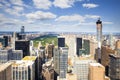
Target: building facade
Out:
[5,71]
[97,72]
[23,70]
[81,69]
[99,39]
[5,55]
[23,45]
[78,45]
[63,63]
[17,55]
[114,67]
[61,41]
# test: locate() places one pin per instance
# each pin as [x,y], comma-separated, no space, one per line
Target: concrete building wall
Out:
[97,72]
[5,71]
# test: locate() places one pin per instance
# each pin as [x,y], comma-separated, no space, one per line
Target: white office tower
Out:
[13,41]
[63,63]
[56,60]
[39,45]
[31,48]
[23,70]
[70,41]
[81,69]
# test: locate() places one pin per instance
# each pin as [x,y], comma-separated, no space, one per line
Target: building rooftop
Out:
[32,58]
[116,56]
[71,77]
[22,63]
[4,66]
[96,64]
[84,61]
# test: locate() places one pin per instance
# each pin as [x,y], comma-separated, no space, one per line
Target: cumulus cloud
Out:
[71,18]
[90,5]
[9,21]
[42,4]
[1,5]
[92,16]
[107,22]
[5,3]
[39,15]
[17,2]
[15,10]
[63,3]
[13,7]
[76,17]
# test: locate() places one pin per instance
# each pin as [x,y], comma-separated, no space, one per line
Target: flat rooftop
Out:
[4,66]
[22,63]
[33,58]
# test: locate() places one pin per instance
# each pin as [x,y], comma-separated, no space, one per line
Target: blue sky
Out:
[59,15]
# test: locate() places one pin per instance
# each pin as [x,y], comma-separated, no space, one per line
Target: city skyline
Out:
[59,15]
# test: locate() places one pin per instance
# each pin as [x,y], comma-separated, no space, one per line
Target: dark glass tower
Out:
[23,45]
[61,42]
[78,45]
[6,40]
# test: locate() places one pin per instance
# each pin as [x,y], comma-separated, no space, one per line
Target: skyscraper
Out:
[99,32]
[17,55]
[49,50]
[6,40]
[114,67]
[97,72]
[56,60]
[86,46]
[23,45]
[81,69]
[5,71]
[61,41]
[117,46]
[23,70]
[105,52]
[63,63]
[2,40]
[99,38]
[31,47]
[36,64]
[5,55]
[78,45]
[22,29]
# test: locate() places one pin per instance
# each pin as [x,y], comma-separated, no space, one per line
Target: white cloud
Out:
[18,9]
[42,4]
[89,5]
[64,3]
[92,23]
[92,16]
[39,15]
[15,10]
[76,17]
[71,18]
[107,22]
[17,2]
[1,5]
[5,3]
[9,21]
